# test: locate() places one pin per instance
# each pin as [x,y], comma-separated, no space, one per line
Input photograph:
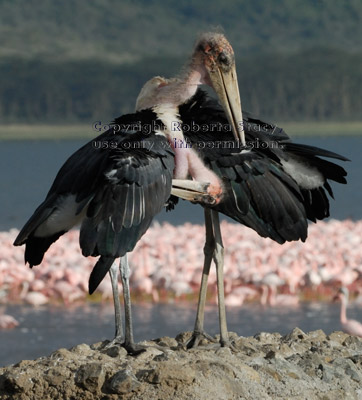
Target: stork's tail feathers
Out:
[99,272]
[37,246]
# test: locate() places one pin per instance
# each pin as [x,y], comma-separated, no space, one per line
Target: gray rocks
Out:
[267,366]
[90,377]
[123,382]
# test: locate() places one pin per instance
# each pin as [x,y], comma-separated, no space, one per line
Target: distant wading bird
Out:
[115,184]
[350,326]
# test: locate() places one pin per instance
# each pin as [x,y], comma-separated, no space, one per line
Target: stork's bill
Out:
[194,191]
[219,61]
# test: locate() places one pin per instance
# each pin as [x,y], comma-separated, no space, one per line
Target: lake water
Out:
[28,168]
[45,329]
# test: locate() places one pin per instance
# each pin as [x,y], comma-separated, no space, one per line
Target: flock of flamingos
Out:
[166,266]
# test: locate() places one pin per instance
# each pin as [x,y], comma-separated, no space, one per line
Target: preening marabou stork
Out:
[272,185]
[115,184]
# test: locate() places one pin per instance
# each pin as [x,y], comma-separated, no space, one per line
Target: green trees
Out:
[81,61]
[317,84]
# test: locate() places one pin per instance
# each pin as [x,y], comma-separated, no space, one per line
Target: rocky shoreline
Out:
[267,366]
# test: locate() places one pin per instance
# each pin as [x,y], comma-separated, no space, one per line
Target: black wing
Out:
[263,187]
[114,186]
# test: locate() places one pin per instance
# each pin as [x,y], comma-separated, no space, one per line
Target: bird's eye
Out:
[222,58]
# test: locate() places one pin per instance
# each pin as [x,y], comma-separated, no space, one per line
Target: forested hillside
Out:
[84,60]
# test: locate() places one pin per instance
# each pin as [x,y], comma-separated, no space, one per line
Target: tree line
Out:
[316,84]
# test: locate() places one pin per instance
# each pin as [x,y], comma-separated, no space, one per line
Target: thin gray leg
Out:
[125,273]
[129,343]
[209,248]
[219,262]
[113,273]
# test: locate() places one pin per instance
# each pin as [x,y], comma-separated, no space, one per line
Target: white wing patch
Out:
[63,217]
[110,174]
[306,176]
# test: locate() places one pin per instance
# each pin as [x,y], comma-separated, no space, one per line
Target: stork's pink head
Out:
[212,63]
[214,52]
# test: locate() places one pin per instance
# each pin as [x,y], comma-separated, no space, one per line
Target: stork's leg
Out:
[219,262]
[125,273]
[113,272]
[213,249]
[129,343]
[118,338]
[209,249]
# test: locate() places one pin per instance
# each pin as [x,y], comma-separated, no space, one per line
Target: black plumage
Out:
[109,186]
[272,185]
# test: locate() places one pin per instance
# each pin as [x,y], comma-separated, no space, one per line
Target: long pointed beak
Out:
[193,191]
[226,87]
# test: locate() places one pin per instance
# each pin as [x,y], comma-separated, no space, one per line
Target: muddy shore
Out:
[267,366]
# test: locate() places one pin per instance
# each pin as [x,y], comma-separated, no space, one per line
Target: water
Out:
[45,329]
[28,168]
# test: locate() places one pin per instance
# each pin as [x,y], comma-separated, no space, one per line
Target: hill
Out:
[126,31]
[77,61]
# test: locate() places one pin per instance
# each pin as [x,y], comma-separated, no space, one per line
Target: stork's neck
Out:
[187,161]
[195,75]
[180,90]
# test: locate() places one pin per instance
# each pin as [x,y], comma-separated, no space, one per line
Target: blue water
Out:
[28,168]
[45,329]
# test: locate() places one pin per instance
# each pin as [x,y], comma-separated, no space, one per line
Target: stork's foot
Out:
[197,337]
[228,344]
[214,344]
[117,341]
[132,349]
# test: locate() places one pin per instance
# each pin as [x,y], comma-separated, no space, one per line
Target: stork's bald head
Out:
[212,63]
[214,51]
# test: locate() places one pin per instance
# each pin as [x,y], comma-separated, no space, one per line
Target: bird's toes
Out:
[199,339]
[230,345]
[117,341]
[134,349]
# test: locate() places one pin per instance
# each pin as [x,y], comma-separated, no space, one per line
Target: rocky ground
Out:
[267,366]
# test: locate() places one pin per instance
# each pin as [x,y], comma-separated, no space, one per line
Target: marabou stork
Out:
[272,185]
[114,189]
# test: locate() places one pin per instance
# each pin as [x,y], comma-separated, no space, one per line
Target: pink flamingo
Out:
[349,326]
[238,295]
[8,322]
[36,299]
